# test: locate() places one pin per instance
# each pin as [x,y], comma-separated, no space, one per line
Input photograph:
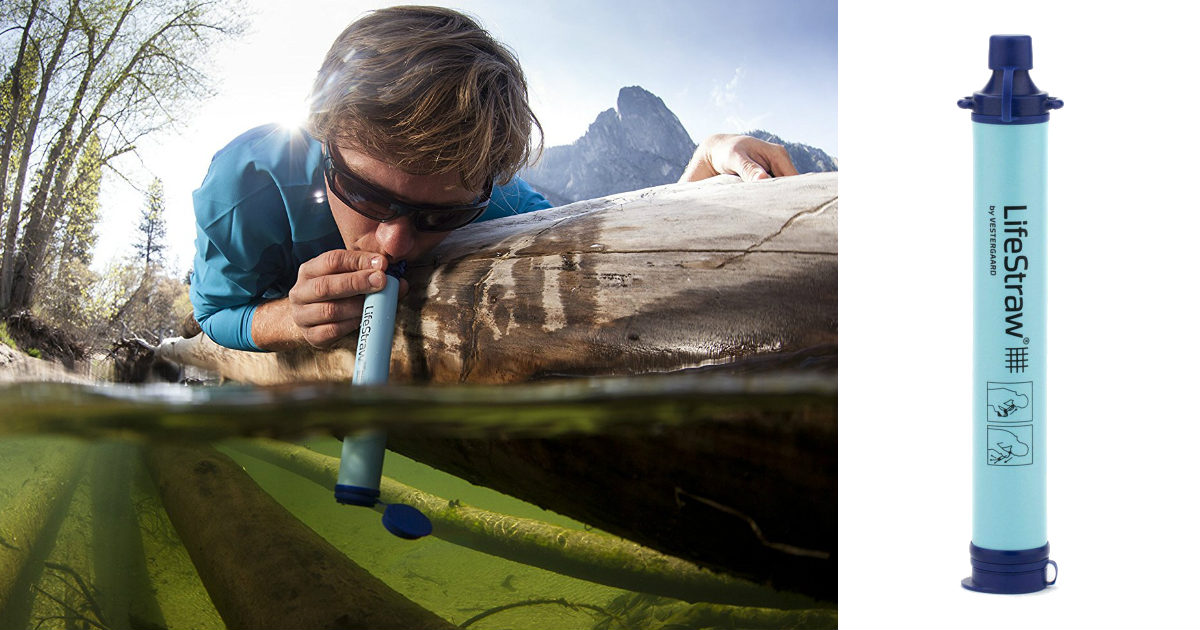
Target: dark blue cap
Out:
[1010,51]
[406,521]
[1010,572]
[356,495]
[1010,97]
[397,269]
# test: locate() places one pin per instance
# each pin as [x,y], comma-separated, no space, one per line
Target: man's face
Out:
[396,239]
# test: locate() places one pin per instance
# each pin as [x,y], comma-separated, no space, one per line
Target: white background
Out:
[1123,385]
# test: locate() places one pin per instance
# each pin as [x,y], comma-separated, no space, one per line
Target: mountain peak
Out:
[638,144]
[636,100]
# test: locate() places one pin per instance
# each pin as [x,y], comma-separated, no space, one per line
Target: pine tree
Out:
[152,229]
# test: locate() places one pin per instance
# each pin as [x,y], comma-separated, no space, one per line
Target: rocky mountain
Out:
[807,159]
[639,144]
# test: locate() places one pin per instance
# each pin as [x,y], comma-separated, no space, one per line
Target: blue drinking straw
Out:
[361,466]
[1010,552]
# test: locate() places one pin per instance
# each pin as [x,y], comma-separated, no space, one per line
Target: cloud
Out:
[726,95]
[740,124]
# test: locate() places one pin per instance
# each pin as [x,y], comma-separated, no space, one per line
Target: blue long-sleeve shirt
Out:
[261,213]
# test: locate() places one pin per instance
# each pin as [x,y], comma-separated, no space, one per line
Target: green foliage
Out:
[34,352]
[6,338]
[78,233]
[122,301]
[68,303]
[95,79]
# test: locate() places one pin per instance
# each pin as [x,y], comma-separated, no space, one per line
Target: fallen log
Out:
[637,610]
[25,519]
[584,555]
[656,280]
[261,566]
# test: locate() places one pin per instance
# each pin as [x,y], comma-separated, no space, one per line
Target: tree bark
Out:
[261,566]
[10,130]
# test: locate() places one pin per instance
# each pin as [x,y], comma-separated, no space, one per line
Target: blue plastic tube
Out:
[362,454]
[1010,551]
[361,465]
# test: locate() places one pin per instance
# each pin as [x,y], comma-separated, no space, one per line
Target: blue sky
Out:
[720,66]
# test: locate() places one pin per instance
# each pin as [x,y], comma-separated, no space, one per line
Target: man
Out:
[419,122]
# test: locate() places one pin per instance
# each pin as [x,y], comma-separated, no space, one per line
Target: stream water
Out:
[105,553]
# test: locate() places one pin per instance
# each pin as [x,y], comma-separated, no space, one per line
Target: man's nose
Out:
[396,238]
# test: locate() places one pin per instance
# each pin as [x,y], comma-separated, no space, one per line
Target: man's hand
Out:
[750,158]
[326,302]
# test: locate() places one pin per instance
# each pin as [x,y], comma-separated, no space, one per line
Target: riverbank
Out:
[19,367]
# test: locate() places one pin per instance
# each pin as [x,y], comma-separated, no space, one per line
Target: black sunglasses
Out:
[379,205]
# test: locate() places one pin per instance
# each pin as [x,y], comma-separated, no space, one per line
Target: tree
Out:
[152,228]
[77,236]
[116,70]
[65,302]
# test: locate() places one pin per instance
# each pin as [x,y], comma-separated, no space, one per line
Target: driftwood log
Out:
[656,280]
[261,566]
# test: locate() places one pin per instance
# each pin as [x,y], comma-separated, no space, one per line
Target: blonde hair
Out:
[426,90]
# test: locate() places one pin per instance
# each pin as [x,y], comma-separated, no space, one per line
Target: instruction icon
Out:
[1010,445]
[1010,402]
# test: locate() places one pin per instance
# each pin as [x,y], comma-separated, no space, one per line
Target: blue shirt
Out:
[261,213]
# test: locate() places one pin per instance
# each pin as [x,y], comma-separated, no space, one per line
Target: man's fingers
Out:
[344,310]
[340,261]
[325,335]
[337,286]
[750,171]
[764,160]
[780,163]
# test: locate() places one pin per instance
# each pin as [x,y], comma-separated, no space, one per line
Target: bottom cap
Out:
[356,495]
[1010,572]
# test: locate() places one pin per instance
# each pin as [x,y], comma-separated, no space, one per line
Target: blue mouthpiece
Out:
[1010,51]
[1010,97]
[397,269]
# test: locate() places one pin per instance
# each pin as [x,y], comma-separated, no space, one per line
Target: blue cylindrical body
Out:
[1009,410]
[1009,551]
[362,454]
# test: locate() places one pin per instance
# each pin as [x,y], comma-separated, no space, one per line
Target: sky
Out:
[721,67]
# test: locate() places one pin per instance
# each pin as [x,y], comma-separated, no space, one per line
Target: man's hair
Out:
[426,90]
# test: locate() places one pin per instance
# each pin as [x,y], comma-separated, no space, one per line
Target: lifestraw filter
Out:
[1009,549]
[361,465]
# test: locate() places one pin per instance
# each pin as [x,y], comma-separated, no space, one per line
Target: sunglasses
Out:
[380,205]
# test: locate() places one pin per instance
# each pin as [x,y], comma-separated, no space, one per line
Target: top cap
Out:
[1010,97]
[1010,51]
